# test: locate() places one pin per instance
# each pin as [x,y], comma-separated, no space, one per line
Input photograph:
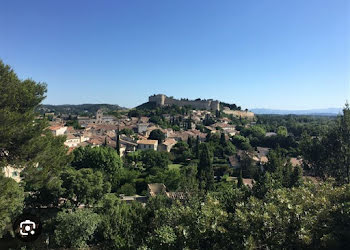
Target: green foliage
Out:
[329,155]
[74,123]
[297,214]
[11,201]
[158,135]
[19,129]
[117,145]
[282,131]
[127,189]
[99,158]
[241,142]
[240,179]
[121,224]
[75,229]
[151,158]
[24,140]
[205,169]
[84,186]
[181,152]
[254,131]
[126,131]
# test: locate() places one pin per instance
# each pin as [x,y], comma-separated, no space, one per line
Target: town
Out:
[100,164]
[173,125]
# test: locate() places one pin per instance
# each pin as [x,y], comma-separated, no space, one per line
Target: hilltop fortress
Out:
[163,100]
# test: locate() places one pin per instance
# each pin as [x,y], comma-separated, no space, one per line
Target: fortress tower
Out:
[158,99]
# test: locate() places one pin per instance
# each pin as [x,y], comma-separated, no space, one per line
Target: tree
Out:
[151,158]
[240,179]
[205,169]
[121,224]
[18,100]
[181,152]
[190,142]
[104,159]
[248,166]
[24,140]
[75,229]
[241,142]
[297,177]
[127,189]
[11,201]
[83,186]
[118,143]
[223,140]
[329,155]
[157,134]
[197,147]
[282,131]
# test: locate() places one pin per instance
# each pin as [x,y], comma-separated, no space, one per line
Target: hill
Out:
[79,109]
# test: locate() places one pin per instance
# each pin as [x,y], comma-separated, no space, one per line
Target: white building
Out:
[147,144]
[58,130]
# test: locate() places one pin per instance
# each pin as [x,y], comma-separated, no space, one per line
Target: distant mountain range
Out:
[325,112]
[77,109]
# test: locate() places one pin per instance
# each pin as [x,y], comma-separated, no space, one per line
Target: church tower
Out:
[99,115]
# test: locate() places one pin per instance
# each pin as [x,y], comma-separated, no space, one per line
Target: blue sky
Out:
[291,54]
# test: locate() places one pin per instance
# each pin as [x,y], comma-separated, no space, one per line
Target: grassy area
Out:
[175,166]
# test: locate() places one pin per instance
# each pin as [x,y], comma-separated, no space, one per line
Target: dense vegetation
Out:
[77,195]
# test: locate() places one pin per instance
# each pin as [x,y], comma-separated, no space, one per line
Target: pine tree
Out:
[25,141]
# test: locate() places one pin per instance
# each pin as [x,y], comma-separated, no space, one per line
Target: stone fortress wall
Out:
[162,100]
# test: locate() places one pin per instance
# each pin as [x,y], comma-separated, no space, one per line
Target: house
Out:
[269,134]
[167,144]
[147,144]
[129,199]
[72,140]
[234,162]
[155,189]
[128,143]
[58,130]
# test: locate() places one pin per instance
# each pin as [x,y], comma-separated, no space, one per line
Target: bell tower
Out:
[99,115]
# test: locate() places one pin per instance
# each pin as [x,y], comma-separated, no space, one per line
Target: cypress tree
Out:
[205,169]
[197,147]
[189,142]
[223,140]
[118,143]
[297,176]
[240,179]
